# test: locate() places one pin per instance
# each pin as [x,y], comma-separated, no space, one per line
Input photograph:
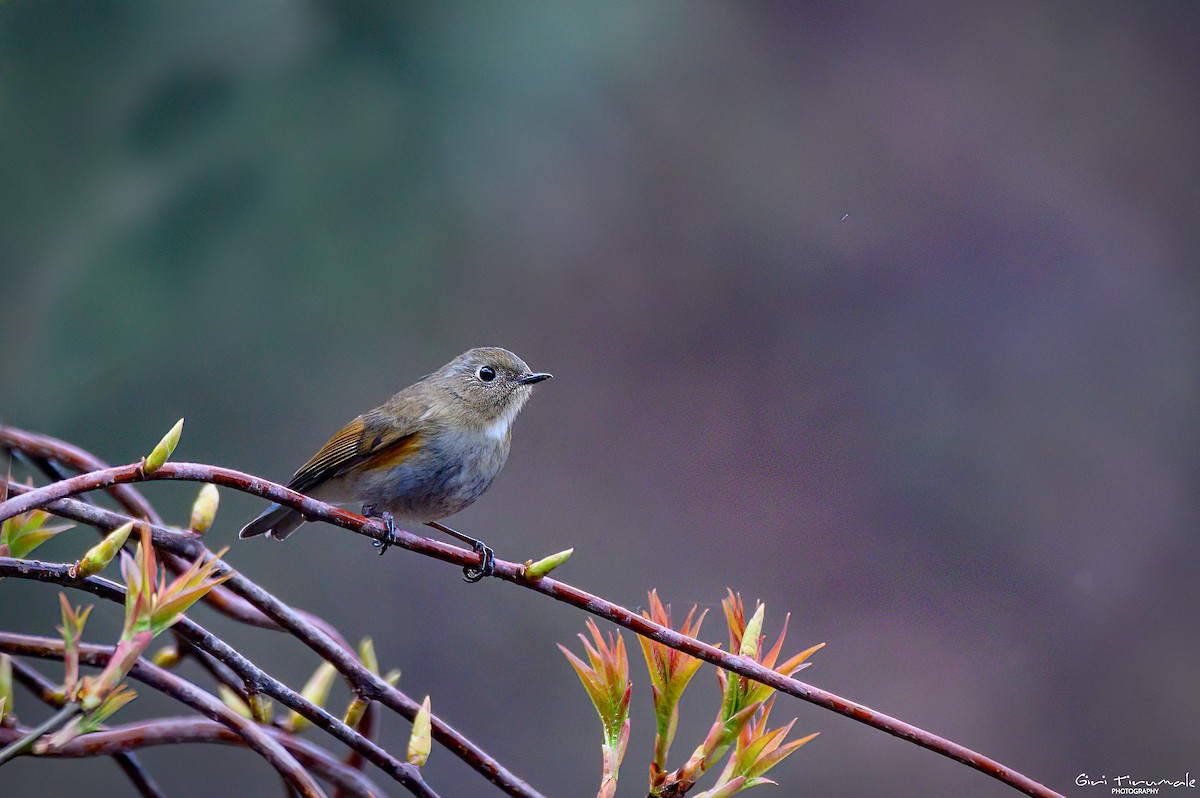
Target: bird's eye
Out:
[486,373]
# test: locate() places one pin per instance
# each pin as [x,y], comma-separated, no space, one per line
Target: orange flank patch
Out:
[394,453]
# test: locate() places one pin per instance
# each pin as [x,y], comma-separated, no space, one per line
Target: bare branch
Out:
[512,572]
[23,743]
[118,741]
[46,692]
[256,680]
[181,689]
[51,454]
[368,684]
[53,457]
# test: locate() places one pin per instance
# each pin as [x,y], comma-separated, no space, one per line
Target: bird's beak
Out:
[531,379]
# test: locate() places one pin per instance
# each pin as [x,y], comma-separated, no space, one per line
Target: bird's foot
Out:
[487,563]
[389,522]
[487,558]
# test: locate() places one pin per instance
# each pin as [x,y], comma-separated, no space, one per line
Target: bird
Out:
[425,454]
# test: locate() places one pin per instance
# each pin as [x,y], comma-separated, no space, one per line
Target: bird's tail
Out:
[276,521]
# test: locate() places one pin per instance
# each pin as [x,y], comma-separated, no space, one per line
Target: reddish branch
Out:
[512,572]
[121,740]
[366,684]
[182,690]
[261,608]
[255,679]
[49,694]
[51,455]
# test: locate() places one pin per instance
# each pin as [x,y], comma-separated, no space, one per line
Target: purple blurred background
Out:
[885,314]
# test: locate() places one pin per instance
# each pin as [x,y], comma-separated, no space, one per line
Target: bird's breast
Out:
[444,474]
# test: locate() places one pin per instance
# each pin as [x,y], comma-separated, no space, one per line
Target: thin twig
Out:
[255,679]
[57,452]
[48,693]
[367,684]
[41,687]
[368,728]
[218,670]
[51,455]
[372,687]
[313,509]
[65,714]
[119,740]
[138,775]
[181,689]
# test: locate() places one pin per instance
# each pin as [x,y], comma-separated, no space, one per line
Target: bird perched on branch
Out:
[426,453]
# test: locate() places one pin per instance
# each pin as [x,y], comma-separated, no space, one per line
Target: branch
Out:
[119,740]
[313,509]
[51,454]
[256,680]
[368,684]
[48,693]
[366,727]
[182,690]
[21,745]
[137,774]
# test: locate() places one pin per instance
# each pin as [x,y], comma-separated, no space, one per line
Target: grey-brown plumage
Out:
[426,453]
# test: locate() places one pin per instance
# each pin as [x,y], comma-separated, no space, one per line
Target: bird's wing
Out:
[367,438]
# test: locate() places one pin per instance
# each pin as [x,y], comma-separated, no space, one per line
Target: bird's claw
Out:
[487,560]
[487,563]
[389,522]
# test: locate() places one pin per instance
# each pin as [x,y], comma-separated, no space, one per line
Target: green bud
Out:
[99,556]
[163,450]
[204,509]
[354,713]
[6,688]
[753,630]
[316,690]
[366,653]
[420,742]
[358,706]
[234,701]
[166,657]
[261,707]
[536,570]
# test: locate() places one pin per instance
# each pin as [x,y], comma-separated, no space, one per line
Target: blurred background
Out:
[885,314]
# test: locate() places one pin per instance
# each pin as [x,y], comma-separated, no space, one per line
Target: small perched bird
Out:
[426,453]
